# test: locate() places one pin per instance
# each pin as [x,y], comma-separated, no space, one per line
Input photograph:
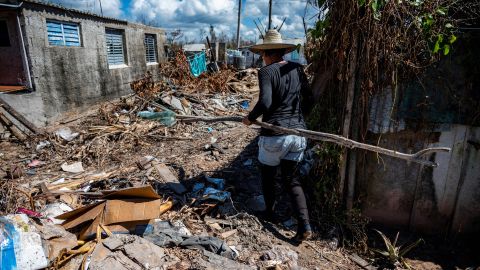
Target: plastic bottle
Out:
[166,117]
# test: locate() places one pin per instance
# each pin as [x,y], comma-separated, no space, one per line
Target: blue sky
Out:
[195,16]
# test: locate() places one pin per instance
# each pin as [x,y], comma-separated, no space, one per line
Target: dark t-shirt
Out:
[284,96]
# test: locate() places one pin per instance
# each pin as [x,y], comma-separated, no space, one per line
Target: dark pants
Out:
[291,183]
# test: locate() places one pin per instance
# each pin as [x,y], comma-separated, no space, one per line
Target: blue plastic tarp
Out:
[198,63]
[8,237]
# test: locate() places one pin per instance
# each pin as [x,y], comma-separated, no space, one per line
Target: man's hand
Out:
[245,121]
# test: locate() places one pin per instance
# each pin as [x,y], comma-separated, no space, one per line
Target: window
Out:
[4,38]
[151,48]
[115,48]
[63,33]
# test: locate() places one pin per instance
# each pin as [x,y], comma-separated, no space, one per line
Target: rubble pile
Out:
[177,72]
[130,185]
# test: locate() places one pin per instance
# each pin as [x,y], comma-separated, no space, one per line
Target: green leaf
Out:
[361,3]
[452,39]
[396,239]
[416,2]
[436,48]
[446,49]
[427,21]
[441,11]
[410,247]
[374,6]
[381,252]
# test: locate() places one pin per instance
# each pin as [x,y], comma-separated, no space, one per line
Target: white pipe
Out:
[24,54]
[11,5]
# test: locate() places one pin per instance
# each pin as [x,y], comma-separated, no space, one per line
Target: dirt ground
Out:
[233,158]
[112,140]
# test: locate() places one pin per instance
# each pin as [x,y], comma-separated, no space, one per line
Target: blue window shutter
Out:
[150,48]
[63,33]
[115,49]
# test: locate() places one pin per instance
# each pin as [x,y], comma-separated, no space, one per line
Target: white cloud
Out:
[112,8]
[193,16]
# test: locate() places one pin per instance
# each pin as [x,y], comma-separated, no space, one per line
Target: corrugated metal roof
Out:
[47,4]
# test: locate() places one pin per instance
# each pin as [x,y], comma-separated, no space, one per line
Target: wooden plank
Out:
[15,121]
[19,117]
[15,131]
[227,234]
[169,178]
[11,88]
[467,205]
[49,196]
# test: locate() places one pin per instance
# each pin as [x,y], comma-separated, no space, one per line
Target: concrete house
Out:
[56,60]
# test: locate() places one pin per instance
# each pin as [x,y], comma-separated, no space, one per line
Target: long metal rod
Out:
[101,9]
[24,54]
[269,14]
[238,24]
[11,5]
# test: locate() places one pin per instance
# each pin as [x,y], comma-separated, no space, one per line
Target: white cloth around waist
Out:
[272,149]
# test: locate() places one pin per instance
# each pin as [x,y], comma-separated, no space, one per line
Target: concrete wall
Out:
[68,78]
[443,111]
[441,200]
[11,67]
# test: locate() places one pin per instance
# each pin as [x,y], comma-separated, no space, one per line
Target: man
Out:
[283,87]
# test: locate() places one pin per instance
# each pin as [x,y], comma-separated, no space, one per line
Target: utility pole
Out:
[269,14]
[238,25]
[101,9]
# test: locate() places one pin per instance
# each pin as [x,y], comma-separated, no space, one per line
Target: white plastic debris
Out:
[59,181]
[66,133]
[29,252]
[55,209]
[42,145]
[73,168]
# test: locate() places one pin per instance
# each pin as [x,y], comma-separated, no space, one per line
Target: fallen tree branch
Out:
[327,137]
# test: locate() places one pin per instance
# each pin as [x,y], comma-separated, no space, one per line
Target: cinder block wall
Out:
[72,78]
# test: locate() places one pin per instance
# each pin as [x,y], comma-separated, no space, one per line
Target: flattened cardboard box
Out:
[120,211]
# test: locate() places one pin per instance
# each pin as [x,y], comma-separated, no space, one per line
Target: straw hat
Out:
[271,41]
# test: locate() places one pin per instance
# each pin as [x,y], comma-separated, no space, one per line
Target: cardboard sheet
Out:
[119,209]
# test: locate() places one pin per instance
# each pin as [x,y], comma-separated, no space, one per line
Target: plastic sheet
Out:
[197,64]
[8,238]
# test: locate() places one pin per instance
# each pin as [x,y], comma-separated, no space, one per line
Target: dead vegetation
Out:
[114,148]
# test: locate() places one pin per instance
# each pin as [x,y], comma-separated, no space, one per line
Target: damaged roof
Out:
[57,6]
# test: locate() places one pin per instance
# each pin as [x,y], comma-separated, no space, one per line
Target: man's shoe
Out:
[303,233]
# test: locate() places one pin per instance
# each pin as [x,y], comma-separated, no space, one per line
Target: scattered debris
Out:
[281,255]
[73,168]
[27,243]
[129,252]
[67,134]
[143,204]
[134,186]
